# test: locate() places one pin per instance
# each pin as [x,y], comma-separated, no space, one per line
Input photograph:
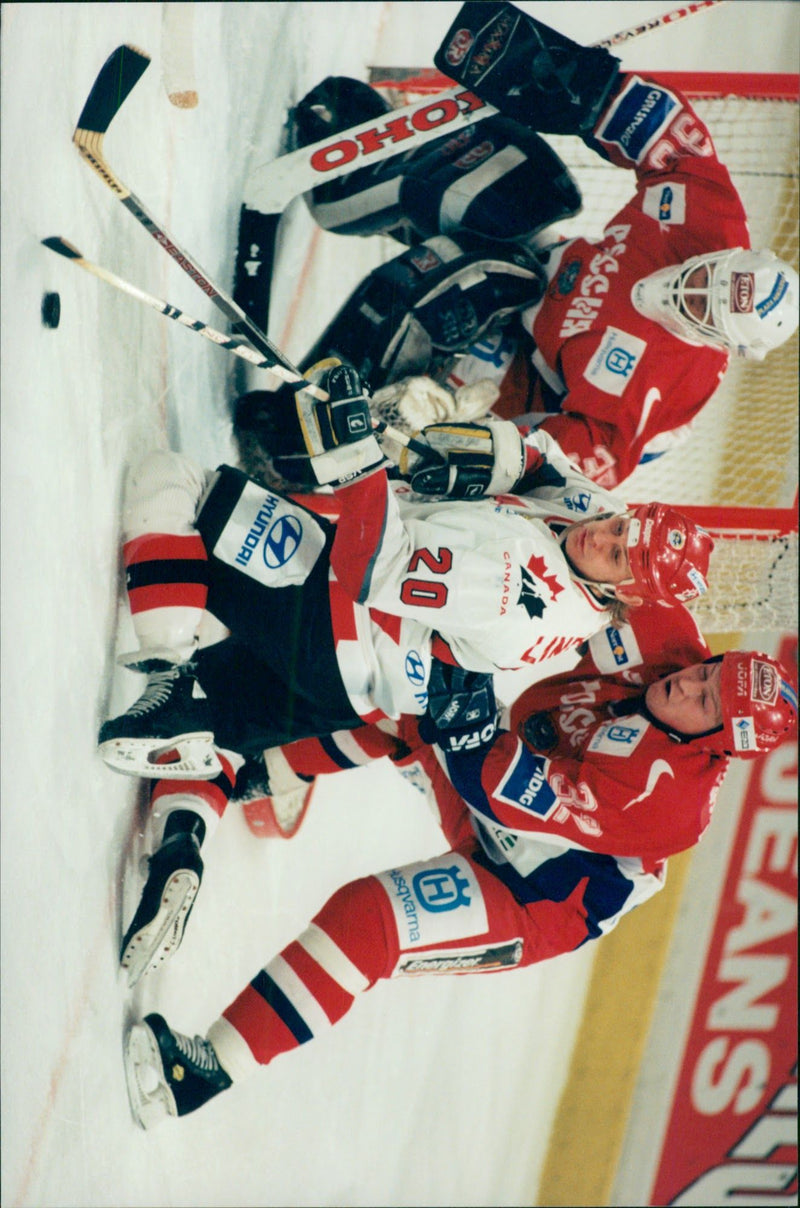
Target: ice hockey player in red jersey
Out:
[627,337]
[275,789]
[531,821]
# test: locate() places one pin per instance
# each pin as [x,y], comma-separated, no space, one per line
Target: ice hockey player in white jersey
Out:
[326,626]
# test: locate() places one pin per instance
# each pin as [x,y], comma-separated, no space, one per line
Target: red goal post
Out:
[738,467]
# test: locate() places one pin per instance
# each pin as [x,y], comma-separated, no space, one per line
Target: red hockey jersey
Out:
[623,380]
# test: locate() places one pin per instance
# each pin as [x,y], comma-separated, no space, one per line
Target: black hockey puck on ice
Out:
[51,310]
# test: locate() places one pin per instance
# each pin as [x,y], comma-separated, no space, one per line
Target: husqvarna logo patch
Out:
[435,901]
[618,737]
[614,362]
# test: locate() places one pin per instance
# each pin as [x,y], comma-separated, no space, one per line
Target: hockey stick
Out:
[115,81]
[240,348]
[677,14]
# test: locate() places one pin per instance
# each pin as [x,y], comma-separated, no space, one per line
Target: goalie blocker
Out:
[527,70]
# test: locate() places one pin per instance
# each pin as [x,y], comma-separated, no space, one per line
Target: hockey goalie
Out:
[612,346]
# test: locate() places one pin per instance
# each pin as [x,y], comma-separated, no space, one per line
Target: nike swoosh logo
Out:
[652,397]
[658,768]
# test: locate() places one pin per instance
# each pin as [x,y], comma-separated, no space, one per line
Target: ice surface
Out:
[437,1091]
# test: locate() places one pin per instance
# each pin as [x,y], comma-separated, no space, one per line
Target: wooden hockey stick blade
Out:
[115,80]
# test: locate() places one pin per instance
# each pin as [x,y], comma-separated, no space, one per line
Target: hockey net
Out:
[738,467]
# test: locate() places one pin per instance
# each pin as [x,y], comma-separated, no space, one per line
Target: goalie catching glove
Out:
[467,460]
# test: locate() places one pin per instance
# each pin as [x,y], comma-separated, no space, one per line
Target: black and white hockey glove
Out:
[462,711]
[467,461]
[337,433]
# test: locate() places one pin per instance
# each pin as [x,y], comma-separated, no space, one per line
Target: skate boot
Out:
[271,812]
[167,732]
[169,1074]
[175,872]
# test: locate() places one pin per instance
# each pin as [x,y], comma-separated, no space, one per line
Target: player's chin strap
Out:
[638,704]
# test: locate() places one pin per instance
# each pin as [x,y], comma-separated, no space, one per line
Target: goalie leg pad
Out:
[432,300]
[496,180]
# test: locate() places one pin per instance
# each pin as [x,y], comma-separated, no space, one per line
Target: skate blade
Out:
[187,757]
[159,939]
[149,1094]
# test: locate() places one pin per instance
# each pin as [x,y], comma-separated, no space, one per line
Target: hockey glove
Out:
[337,433]
[529,71]
[479,459]
[462,711]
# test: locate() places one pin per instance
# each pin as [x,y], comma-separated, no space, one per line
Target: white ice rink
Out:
[435,1092]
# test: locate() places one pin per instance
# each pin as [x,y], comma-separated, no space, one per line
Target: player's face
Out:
[688,700]
[599,549]
[695,304]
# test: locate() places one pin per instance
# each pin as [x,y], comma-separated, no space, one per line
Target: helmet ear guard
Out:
[750,299]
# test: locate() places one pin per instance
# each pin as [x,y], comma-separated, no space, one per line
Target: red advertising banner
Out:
[732,1131]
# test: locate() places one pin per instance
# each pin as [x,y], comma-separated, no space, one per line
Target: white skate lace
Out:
[198,1052]
[157,693]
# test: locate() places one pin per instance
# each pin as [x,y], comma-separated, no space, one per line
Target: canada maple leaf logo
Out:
[538,568]
[529,597]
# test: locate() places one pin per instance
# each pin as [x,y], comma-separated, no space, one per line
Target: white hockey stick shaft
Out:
[676,14]
[239,348]
[272,185]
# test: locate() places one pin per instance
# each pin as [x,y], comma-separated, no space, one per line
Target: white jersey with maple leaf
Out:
[483,584]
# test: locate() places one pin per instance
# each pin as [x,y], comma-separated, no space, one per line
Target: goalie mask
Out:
[668,555]
[759,707]
[746,302]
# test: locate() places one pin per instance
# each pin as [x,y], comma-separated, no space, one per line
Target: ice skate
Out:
[175,872]
[167,732]
[271,812]
[168,1074]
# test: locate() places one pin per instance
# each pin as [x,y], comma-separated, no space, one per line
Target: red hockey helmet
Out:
[759,705]
[668,554]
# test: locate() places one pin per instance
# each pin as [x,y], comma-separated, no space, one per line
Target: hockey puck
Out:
[51,310]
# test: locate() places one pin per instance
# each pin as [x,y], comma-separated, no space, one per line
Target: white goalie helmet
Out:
[744,301]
